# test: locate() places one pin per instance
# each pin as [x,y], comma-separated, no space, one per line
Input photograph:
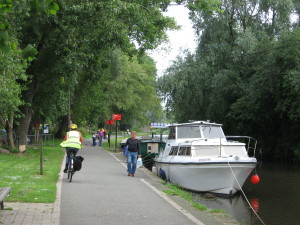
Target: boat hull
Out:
[219,178]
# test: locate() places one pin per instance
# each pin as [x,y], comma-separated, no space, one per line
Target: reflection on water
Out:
[276,199]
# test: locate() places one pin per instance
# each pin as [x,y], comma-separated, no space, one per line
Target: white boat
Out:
[199,157]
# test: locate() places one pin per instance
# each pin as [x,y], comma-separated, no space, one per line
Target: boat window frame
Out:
[174,149]
[172,133]
[210,126]
[186,150]
[197,126]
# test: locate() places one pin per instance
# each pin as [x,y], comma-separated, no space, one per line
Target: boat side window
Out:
[188,132]
[174,150]
[172,133]
[185,150]
[212,131]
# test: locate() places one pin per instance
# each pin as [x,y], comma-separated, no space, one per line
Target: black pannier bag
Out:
[78,162]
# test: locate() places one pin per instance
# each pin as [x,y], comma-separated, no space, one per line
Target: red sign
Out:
[110,122]
[117,116]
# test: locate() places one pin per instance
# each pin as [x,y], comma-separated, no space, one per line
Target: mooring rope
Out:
[245,194]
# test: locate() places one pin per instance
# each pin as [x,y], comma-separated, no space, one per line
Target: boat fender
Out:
[154,170]
[255,179]
[162,174]
[236,157]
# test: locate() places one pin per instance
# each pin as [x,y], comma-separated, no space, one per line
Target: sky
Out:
[178,40]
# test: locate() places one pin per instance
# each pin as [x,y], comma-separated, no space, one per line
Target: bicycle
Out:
[71,169]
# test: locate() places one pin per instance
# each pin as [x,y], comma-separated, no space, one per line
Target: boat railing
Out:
[250,142]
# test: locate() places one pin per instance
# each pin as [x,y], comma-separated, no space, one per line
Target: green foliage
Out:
[29,52]
[12,70]
[71,44]
[244,74]
[83,131]
[7,7]
[12,150]
[88,34]
[126,87]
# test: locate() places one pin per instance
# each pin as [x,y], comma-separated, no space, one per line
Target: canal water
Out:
[276,199]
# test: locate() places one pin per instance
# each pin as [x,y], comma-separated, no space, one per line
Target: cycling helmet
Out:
[73,126]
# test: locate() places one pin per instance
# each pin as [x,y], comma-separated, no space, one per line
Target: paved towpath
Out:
[102,193]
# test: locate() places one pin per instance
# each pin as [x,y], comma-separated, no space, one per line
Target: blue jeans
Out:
[100,141]
[131,161]
[94,141]
[68,150]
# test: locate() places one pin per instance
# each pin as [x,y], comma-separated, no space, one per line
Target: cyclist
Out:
[72,142]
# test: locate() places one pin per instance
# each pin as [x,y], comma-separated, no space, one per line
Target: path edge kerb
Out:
[56,207]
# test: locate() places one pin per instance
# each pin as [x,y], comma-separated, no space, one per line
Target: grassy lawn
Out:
[21,172]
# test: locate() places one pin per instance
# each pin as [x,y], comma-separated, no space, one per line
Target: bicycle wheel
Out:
[71,169]
[70,166]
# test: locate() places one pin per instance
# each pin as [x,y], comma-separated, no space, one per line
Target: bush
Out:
[83,131]
[12,150]
[5,146]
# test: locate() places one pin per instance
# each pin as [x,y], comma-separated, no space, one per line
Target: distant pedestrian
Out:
[94,137]
[133,153]
[100,137]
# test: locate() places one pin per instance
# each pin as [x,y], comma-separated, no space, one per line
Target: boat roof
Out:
[150,141]
[194,123]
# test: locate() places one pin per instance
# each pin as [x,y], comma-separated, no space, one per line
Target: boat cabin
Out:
[196,130]
[201,139]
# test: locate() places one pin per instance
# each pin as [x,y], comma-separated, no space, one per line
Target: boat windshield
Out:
[210,131]
[188,132]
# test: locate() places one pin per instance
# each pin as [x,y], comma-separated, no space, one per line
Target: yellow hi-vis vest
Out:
[72,141]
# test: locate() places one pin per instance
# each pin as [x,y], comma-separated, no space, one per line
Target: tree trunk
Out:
[23,126]
[62,127]
[8,125]
[9,130]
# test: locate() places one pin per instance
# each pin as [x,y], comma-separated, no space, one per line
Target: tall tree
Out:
[84,30]
[127,86]
[12,69]
[246,64]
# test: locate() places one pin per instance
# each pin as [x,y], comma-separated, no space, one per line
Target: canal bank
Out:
[102,193]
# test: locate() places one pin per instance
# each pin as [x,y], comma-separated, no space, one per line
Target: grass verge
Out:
[21,172]
[220,214]
[176,190]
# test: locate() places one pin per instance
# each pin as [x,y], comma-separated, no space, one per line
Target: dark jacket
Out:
[133,145]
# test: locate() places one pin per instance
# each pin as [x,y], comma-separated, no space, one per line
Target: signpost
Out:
[36,130]
[109,122]
[116,117]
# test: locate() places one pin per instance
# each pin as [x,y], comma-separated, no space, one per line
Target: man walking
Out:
[133,153]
